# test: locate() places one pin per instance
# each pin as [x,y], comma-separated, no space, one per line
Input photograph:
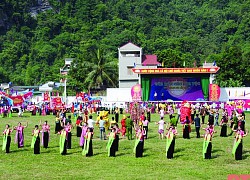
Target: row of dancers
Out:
[113,140]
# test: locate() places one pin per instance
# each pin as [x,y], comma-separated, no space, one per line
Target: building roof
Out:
[130,47]
[150,60]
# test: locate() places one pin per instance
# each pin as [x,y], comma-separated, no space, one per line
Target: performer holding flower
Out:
[35,143]
[6,138]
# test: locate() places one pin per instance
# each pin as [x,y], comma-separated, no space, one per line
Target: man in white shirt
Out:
[102,128]
[91,123]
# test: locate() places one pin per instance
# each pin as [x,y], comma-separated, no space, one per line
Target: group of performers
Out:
[19,138]
[85,132]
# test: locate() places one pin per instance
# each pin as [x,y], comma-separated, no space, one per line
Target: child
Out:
[161,128]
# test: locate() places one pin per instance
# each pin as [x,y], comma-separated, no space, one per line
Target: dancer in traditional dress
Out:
[139,142]
[57,124]
[238,143]
[116,114]
[117,132]
[35,143]
[6,138]
[63,141]
[45,134]
[19,139]
[111,145]
[88,149]
[84,129]
[171,134]
[68,128]
[207,143]
[78,128]
[186,128]
[223,124]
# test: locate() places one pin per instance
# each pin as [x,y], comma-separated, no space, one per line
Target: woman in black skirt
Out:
[45,134]
[116,115]
[186,128]
[171,134]
[63,142]
[6,138]
[223,124]
[88,149]
[138,149]
[68,128]
[35,144]
[111,145]
[207,143]
[148,114]
[58,127]
[238,144]
[78,126]
[116,141]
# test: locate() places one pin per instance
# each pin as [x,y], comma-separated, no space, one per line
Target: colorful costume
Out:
[45,135]
[170,142]
[63,142]
[139,143]
[207,143]
[238,145]
[6,140]
[35,144]
[111,145]
[88,149]
[19,139]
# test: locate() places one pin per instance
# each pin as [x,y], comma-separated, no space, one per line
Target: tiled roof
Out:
[148,60]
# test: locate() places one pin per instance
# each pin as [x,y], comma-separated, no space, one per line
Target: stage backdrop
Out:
[177,89]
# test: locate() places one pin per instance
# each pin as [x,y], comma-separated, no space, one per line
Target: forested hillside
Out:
[32,49]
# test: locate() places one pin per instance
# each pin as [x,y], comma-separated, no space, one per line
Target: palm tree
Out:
[100,69]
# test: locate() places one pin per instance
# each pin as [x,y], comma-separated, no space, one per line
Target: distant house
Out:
[130,56]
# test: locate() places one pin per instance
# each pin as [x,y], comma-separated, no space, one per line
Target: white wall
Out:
[119,95]
[234,93]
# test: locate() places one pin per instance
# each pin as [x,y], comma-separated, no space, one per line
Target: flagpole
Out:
[65,91]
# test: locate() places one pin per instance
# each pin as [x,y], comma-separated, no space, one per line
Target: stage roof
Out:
[211,70]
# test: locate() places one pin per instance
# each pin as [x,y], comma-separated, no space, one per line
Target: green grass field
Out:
[187,163]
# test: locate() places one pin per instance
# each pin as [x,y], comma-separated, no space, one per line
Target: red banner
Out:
[46,96]
[214,92]
[136,92]
[28,95]
[4,94]
[174,70]
[17,100]
[57,102]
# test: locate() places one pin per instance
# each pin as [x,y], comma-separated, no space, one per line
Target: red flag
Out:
[28,95]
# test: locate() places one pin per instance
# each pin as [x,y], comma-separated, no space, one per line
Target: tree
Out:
[96,70]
